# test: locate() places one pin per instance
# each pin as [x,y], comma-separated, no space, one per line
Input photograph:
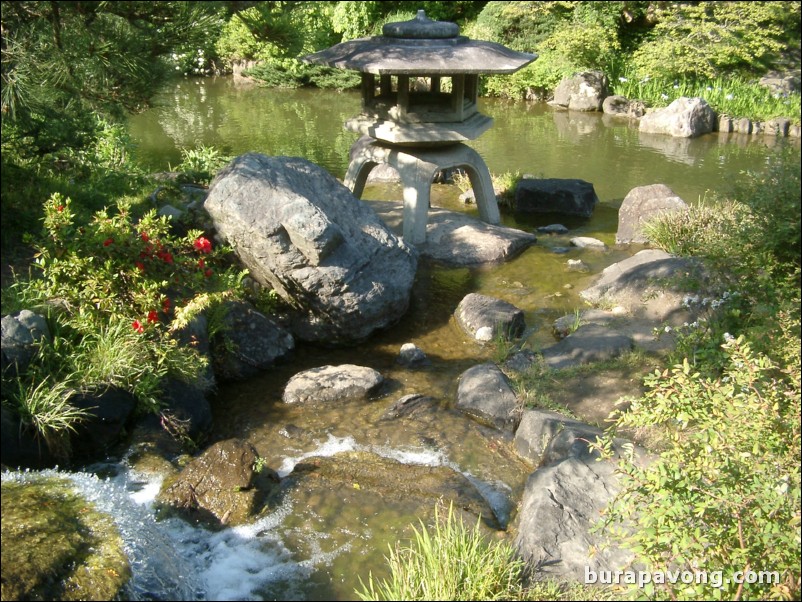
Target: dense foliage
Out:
[116,288]
[690,43]
[63,63]
[724,493]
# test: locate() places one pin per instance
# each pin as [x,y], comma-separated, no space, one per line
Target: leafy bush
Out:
[201,164]
[114,266]
[275,34]
[116,288]
[752,248]
[775,198]
[710,39]
[568,37]
[724,494]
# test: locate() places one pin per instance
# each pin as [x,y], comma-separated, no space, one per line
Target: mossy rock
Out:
[57,546]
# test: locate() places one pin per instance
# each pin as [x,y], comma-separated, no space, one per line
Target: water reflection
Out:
[530,138]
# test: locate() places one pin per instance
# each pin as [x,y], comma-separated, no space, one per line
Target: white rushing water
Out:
[172,559]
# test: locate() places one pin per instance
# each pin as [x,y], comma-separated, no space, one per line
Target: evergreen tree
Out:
[64,63]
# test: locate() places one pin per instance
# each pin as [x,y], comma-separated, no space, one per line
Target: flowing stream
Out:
[317,545]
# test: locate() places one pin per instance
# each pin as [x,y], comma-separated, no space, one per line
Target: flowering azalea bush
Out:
[116,288]
[116,266]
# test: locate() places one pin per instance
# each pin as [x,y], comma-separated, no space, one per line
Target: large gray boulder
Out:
[683,118]
[560,505]
[642,204]
[583,92]
[301,232]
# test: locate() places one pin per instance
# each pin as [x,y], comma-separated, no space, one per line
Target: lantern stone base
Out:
[417,167]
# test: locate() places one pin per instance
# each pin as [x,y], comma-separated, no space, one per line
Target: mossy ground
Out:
[56,546]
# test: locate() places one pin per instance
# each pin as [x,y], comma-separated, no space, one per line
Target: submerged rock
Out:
[409,405]
[415,485]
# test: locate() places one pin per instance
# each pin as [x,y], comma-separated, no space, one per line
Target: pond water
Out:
[330,540]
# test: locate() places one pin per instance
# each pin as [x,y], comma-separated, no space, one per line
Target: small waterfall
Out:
[172,559]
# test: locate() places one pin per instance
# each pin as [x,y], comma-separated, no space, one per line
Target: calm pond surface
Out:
[320,544]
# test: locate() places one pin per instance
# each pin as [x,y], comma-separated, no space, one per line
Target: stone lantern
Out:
[420,83]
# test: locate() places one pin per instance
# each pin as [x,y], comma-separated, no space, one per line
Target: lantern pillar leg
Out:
[416,177]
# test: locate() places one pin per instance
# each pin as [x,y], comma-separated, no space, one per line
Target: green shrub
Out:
[116,288]
[724,493]
[201,164]
[711,39]
[118,266]
[775,197]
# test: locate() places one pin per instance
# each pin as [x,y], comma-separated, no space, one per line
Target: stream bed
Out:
[316,543]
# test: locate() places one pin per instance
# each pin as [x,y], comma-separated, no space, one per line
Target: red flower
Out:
[60,208]
[208,273]
[144,236]
[140,266]
[108,241]
[165,256]
[153,316]
[166,304]
[137,325]
[201,263]
[203,245]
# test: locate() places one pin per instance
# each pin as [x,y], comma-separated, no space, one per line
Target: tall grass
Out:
[732,95]
[44,405]
[452,562]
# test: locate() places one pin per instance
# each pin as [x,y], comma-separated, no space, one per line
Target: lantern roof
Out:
[422,46]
